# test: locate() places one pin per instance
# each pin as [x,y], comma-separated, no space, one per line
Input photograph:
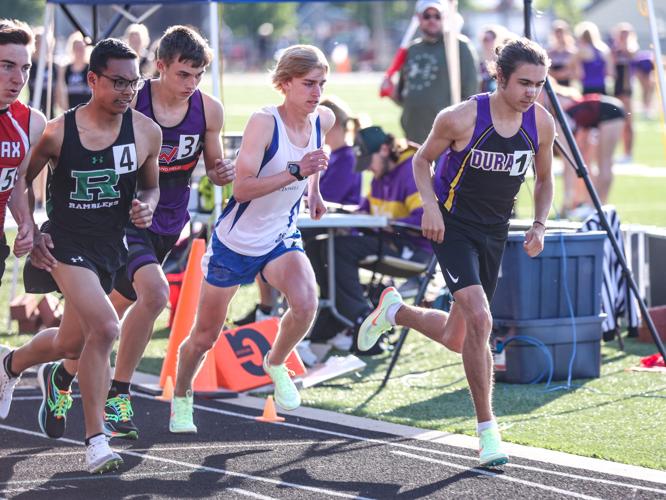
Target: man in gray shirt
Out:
[424,87]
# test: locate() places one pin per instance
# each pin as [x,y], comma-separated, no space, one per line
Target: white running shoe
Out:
[308,357]
[100,458]
[7,385]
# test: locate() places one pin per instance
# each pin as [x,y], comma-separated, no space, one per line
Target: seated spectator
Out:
[340,182]
[392,193]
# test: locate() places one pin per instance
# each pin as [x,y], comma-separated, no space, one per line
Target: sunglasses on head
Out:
[427,16]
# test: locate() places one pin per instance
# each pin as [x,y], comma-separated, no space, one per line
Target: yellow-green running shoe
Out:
[286,393]
[182,412]
[376,323]
[490,448]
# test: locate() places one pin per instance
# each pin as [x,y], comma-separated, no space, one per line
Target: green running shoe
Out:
[376,323]
[286,393]
[118,413]
[490,449]
[182,413]
[55,402]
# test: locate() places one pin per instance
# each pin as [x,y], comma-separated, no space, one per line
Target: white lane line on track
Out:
[564,474]
[488,473]
[91,477]
[271,444]
[412,447]
[205,468]
[250,494]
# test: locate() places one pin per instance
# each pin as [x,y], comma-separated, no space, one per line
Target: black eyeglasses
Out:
[120,84]
[428,17]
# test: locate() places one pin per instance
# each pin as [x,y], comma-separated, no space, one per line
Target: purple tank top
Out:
[181,148]
[479,184]
[594,71]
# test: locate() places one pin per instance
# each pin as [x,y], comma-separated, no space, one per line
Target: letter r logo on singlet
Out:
[90,181]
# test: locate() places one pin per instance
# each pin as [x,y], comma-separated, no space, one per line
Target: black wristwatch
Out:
[295,170]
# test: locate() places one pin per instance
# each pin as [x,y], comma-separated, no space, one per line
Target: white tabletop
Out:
[342,220]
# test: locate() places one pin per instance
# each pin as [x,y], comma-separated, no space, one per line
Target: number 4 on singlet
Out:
[522,160]
[124,158]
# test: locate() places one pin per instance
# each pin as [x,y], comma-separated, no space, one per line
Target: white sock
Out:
[392,311]
[482,426]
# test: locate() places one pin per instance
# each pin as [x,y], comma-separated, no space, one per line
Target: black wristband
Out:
[539,222]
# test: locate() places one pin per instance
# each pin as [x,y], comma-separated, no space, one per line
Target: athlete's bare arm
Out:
[19,204]
[316,204]
[220,171]
[256,140]
[148,136]
[453,126]
[46,151]
[543,185]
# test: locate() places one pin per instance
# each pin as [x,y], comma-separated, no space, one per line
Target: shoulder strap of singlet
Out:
[126,127]
[71,136]
[483,117]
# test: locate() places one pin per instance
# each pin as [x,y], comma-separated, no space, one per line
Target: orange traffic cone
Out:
[269,415]
[206,379]
[185,310]
[167,392]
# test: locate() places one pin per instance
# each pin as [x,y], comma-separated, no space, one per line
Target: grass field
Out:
[617,417]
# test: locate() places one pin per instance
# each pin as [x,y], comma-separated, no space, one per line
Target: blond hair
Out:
[297,61]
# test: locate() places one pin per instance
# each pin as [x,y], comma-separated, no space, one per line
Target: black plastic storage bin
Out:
[532,288]
[520,362]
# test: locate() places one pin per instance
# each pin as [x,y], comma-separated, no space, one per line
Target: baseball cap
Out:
[423,5]
[368,141]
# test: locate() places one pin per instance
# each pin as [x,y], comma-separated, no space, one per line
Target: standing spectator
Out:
[493,36]
[562,51]
[424,86]
[643,65]
[49,74]
[592,62]
[137,37]
[72,88]
[625,47]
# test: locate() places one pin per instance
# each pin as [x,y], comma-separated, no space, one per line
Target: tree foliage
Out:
[30,11]
[245,18]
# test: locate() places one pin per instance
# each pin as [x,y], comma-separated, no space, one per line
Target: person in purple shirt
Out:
[191,122]
[340,183]
[393,193]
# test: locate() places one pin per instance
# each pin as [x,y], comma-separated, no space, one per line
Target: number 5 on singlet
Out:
[522,160]
[124,158]
[7,178]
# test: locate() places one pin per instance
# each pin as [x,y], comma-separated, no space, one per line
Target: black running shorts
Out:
[471,254]
[104,256]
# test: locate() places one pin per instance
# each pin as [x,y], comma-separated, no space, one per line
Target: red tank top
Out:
[14,145]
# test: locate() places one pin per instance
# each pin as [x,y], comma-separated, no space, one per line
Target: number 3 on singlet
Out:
[124,158]
[187,145]
[522,160]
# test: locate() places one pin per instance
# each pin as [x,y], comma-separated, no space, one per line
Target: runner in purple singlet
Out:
[489,142]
